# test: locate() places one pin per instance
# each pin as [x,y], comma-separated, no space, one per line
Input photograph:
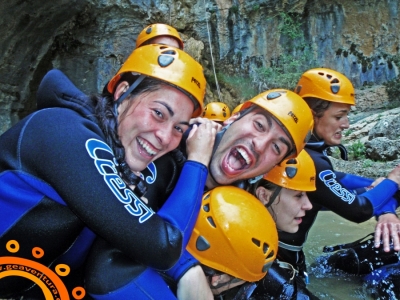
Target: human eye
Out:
[259,126]
[299,195]
[277,149]
[179,129]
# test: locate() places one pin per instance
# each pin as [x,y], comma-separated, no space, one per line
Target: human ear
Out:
[122,87]
[263,195]
[232,118]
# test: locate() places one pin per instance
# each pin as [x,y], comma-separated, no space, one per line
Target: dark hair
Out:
[108,122]
[267,185]
[318,106]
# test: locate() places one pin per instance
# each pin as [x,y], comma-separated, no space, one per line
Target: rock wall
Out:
[90,39]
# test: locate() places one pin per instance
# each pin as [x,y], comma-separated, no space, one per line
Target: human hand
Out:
[200,120]
[200,142]
[388,226]
[377,181]
[194,285]
[395,175]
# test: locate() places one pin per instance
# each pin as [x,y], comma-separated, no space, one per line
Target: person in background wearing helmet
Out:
[330,95]
[272,126]
[217,112]
[234,239]
[70,173]
[283,192]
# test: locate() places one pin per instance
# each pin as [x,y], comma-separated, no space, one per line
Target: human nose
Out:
[306,202]
[164,134]
[345,124]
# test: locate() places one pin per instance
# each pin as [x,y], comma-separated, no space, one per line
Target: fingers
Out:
[387,232]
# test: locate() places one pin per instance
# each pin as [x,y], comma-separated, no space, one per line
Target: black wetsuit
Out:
[60,189]
[344,194]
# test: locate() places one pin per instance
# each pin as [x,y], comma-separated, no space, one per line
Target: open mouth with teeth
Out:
[237,160]
[146,147]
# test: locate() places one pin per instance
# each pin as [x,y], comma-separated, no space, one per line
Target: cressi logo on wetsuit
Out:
[329,179]
[108,168]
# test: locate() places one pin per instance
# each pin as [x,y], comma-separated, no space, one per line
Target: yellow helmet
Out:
[326,84]
[295,174]
[237,108]
[216,111]
[167,64]
[291,111]
[155,30]
[234,234]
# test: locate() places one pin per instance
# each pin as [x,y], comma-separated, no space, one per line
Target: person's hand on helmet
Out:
[200,142]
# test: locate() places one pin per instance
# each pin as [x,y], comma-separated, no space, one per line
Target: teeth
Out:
[244,155]
[146,147]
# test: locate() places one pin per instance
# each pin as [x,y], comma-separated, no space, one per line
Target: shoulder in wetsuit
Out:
[58,178]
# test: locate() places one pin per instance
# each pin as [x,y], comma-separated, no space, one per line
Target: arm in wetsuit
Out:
[66,152]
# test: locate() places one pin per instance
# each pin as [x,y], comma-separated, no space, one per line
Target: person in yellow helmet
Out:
[271,127]
[237,109]
[330,95]
[159,33]
[234,238]
[73,171]
[217,112]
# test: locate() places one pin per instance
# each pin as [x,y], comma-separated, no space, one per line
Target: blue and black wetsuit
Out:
[60,189]
[344,194]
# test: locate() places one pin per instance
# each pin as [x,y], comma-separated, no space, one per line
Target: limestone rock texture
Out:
[89,39]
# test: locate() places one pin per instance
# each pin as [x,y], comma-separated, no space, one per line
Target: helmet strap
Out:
[128,91]
[273,196]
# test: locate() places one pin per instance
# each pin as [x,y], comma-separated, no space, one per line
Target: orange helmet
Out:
[237,108]
[234,234]
[326,84]
[155,30]
[291,111]
[216,111]
[295,173]
[167,64]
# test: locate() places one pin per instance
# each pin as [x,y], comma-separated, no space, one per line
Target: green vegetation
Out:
[348,132]
[242,86]
[367,163]
[285,70]
[393,91]
[356,150]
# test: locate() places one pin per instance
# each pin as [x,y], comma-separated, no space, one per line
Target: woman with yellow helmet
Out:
[73,171]
[330,96]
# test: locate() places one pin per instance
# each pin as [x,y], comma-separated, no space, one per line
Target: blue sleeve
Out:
[183,205]
[351,182]
[185,262]
[379,195]
[389,207]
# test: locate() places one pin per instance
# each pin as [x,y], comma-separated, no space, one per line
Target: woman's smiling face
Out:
[330,126]
[153,124]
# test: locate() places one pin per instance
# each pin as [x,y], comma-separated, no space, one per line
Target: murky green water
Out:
[330,229]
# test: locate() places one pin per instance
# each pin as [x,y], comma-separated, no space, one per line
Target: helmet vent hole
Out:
[256,242]
[291,171]
[335,89]
[265,248]
[206,196]
[211,221]
[202,244]
[292,161]
[298,89]
[273,95]
[206,207]
[149,30]
[335,80]
[165,60]
[321,73]
[329,76]
[271,254]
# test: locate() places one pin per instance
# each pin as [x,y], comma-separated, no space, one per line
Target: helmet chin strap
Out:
[128,91]
[273,196]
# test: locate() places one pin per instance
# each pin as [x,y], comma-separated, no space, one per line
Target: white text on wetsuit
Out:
[328,178]
[108,168]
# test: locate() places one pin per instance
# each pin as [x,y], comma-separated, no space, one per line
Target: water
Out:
[331,229]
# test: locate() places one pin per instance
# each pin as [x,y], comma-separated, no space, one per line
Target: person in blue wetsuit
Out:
[71,173]
[330,95]
[273,125]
